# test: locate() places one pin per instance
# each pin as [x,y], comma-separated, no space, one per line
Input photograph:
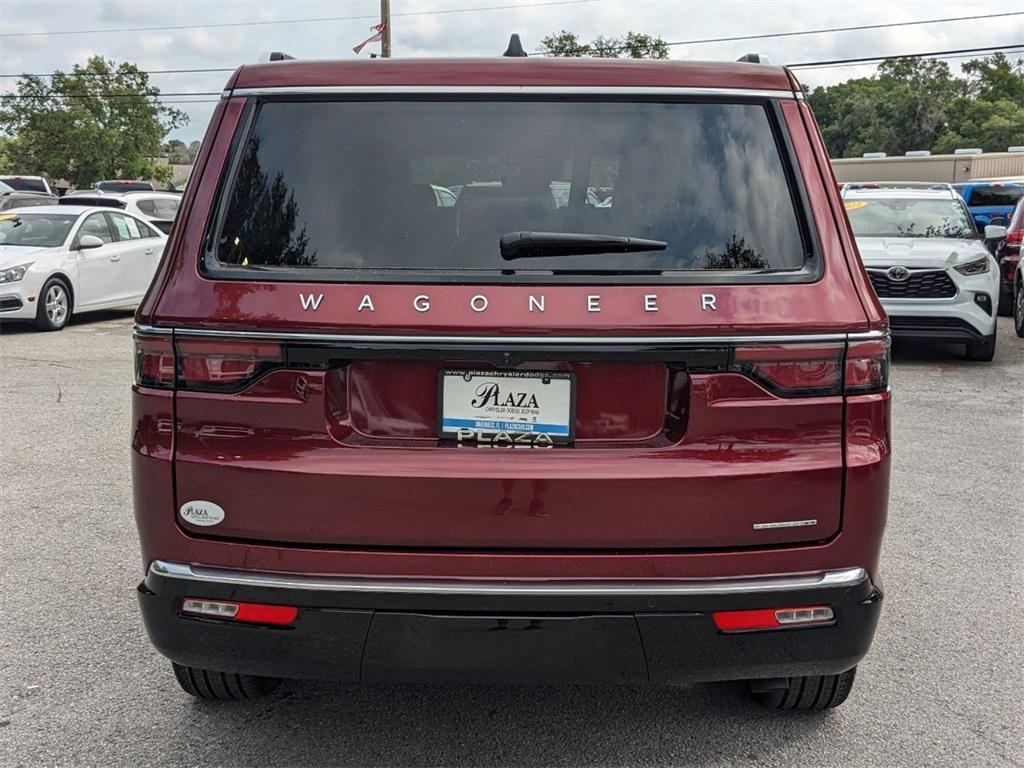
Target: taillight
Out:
[867,367]
[209,365]
[772,618]
[809,370]
[247,613]
[154,362]
[793,370]
[218,366]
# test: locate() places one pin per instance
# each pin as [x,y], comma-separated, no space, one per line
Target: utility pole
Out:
[385,19]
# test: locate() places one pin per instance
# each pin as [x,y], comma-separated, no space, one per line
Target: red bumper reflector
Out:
[772,618]
[249,613]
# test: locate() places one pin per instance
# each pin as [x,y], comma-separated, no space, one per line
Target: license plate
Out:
[514,402]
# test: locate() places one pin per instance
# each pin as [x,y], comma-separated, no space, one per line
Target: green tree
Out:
[101,120]
[635,45]
[916,103]
[177,151]
[565,44]
[640,46]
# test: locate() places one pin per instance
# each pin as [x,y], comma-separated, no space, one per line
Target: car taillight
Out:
[247,613]
[209,365]
[772,618]
[808,370]
[867,367]
[796,370]
[154,362]
[216,366]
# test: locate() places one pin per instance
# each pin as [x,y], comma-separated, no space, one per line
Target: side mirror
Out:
[995,232]
[85,242]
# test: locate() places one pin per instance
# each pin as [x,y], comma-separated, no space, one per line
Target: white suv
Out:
[927,262]
[158,208]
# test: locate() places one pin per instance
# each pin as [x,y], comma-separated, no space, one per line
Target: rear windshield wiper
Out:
[532,245]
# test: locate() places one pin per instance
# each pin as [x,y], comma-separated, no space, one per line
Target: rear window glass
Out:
[125,186]
[908,217]
[995,196]
[433,186]
[45,230]
[25,185]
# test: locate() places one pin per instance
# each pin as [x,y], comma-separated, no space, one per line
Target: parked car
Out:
[379,438]
[124,185]
[1008,256]
[927,262]
[27,184]
[56,261]
[158,208]
[990,202]
[1018,300]
[14,199]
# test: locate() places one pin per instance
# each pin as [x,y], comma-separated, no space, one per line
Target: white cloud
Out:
[156,42]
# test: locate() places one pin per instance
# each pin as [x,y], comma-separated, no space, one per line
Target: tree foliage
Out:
[635,45]
[180,153]
[915,103]
[99,121]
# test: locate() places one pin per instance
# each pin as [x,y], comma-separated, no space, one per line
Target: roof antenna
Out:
[515,47]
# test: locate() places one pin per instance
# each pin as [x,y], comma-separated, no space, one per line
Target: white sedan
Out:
[56,261]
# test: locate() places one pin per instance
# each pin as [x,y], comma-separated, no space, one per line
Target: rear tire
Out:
[983,350]
[54,308]
[812,693]
[1018,309]
[222,686]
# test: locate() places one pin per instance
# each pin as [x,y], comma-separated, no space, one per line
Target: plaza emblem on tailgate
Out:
[479,303]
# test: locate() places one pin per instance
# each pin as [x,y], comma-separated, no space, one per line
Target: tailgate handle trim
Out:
[847,577]
[503,341]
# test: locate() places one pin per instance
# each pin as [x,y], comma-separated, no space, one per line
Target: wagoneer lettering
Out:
[634,266]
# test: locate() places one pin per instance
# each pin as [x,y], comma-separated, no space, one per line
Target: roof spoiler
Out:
[275,56]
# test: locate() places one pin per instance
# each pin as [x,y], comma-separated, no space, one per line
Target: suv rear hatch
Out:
[408,386]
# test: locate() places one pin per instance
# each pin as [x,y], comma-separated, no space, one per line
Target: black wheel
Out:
[982,350]
[808,693]
[54,307]
[222,686]
[1018,309]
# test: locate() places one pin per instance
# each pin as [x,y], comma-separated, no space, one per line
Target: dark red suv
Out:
[512,370]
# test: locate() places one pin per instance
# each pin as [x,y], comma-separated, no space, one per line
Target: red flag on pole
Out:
[374,38]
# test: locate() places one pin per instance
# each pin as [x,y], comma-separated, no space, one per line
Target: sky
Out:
[439,28]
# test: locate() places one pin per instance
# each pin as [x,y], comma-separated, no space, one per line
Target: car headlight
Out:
[14,274]
[976,267]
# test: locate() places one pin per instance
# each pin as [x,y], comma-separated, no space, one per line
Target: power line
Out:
[375,17]
[200,70]
[1009,51]
[701,41]
[141,71]
[106,95]
[864,59]
[845,29]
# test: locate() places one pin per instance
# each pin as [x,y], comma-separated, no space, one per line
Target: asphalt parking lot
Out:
[80,685]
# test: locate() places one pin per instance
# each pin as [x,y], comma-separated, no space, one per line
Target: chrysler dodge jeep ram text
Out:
[512,370]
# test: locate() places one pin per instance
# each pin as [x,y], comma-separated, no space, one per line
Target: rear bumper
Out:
[512,631]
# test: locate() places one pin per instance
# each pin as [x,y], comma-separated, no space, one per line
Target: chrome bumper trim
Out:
[847,577]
